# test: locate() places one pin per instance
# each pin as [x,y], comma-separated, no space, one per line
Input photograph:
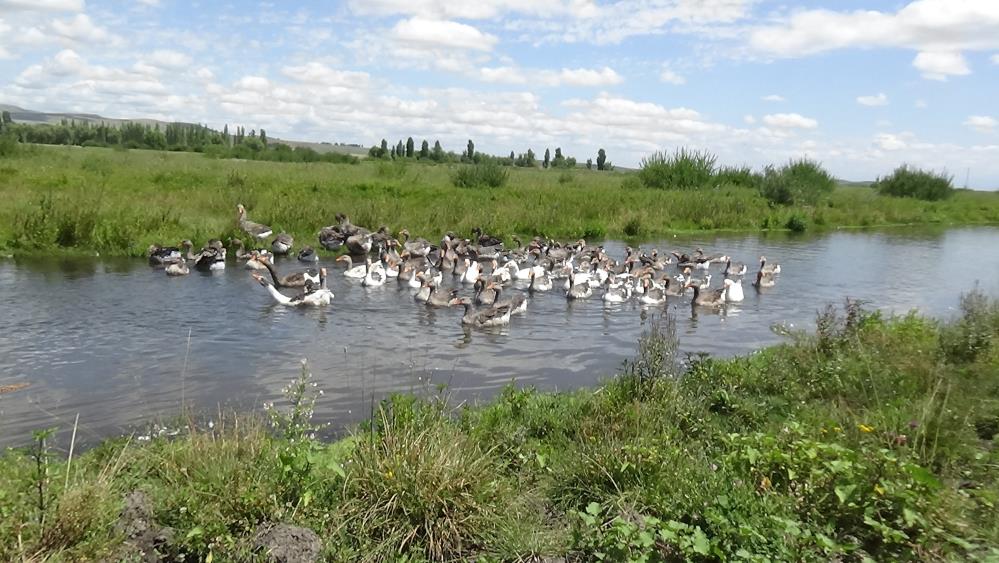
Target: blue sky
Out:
[861,86]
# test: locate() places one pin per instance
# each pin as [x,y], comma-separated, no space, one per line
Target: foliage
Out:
[487,174]
[120,202]
[907,181]
[799,182]
[684,169]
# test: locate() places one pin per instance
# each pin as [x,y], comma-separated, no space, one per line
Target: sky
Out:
[860,86]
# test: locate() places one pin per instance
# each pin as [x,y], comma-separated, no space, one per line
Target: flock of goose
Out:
[501,279]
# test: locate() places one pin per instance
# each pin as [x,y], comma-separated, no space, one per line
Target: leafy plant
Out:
[909,181]
[487,174]
[684,169]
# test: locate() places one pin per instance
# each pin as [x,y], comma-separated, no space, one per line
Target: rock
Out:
[145,540]
[283,543]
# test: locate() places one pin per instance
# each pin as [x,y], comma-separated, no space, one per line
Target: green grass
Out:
[872,439]
[118,202]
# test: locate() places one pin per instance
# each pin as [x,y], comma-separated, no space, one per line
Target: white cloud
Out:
[503,74]
[322,75]
[995,59]
[253,84]
[441,33]
[42,5]
[938,65]
[671,77]
[81,29]
[205,74]
[164,58]
[773,98]
[605,76]
[750,120]
[981,123]
[150,2]
[878,100]
[790,121]
[890,142]
[920,104]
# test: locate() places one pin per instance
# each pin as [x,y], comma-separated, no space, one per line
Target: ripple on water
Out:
[109,338]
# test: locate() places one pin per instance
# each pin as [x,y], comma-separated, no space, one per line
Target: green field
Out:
[872,440]
[118,202]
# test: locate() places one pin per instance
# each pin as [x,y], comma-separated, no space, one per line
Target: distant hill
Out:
[21,115]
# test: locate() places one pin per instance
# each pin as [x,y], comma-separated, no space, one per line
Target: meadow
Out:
[871,440]
[117,202]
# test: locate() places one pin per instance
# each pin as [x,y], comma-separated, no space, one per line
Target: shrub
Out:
[484,175]
[798,182]
[739,176]
[796,224]
[8,145]
[908,181]
[685,169]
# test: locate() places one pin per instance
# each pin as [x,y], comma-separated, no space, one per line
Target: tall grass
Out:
[908,181]
[486,174]
[801,182]
[684,169]
[120,202]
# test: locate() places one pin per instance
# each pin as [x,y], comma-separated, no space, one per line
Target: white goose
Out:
[352,271]
[471,271]
[374,277]
[318,297]
[733,291]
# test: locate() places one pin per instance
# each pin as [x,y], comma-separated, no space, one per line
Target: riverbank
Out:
[874,438]
[73,199]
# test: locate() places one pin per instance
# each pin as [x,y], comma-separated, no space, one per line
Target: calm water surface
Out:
[108,339]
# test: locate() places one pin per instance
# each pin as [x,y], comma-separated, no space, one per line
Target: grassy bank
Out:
[872,439]
[118,202]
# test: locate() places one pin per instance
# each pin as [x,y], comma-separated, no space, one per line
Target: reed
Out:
[72,199]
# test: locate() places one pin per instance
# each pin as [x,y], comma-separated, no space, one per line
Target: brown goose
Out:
[712,298]
[282,244]
[517,303]
[255,230]
[441,297]
[484,317]
[294,279]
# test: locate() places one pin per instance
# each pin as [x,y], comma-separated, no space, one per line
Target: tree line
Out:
[437,154]
[183,137]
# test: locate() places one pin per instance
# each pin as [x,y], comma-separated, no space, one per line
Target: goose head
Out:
[240,211]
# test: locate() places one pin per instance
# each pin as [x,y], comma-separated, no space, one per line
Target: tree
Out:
[399,150]
[559,160]
[263,137]
[548,159]
[385,148]
[512,156]
[589,164]
[225,135]
[471,150]
[393,152]
[409,148]
[425,149]
[601,159]
[438,154]
[5,120]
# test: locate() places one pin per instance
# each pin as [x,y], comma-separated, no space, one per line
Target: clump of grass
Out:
[419,485]
[908,181]
[739,176]
[798,182]
[684,169]
[487,174]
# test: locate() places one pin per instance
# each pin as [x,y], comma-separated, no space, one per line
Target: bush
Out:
[908,181]
[8,145]
[797,182]
[484,175]
[685,169]
[739,176]
[797,224]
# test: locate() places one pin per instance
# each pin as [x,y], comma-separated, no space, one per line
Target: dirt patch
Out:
[281,543]
[145,540]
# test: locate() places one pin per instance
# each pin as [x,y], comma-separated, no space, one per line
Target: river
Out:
[108,339]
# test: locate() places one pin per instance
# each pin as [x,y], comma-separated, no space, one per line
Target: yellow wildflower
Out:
[865,428]
[879,489]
